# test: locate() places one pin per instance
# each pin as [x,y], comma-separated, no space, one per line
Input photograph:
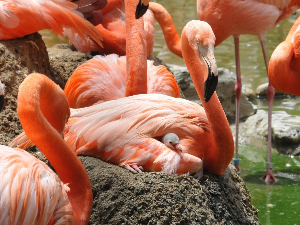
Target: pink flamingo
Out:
[236,17]
[31,193]
[20,18]
[111,77]
[128,131]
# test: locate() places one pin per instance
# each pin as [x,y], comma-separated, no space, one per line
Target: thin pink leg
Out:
[133,168]
[268,177]
[237,89]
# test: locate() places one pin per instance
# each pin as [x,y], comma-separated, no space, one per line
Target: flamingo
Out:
[31,193]
[284,70]
[236,17]
[127,131]
[20,18]
[113,30]
[105,78]
[284,66]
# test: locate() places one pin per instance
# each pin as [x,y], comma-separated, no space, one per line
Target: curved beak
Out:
[141,8]
[177,147]
[211,82]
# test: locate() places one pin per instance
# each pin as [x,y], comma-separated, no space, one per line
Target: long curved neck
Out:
[136,51]
[223,146]
[35,89]
[166,23]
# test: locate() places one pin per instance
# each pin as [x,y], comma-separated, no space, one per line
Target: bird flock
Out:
[120,107]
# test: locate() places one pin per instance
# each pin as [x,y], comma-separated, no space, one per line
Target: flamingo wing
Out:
[20,18]
[31,193]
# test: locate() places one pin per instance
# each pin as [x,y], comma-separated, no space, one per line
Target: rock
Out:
[121,197]
[225,92]
[64,60]
[18,58]
[285,131]
[261,90]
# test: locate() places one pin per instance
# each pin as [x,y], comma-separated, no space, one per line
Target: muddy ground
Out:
[121,197]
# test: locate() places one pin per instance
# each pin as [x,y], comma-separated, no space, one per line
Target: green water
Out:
[278,203]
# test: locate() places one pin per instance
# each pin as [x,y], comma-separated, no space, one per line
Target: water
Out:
[278,203]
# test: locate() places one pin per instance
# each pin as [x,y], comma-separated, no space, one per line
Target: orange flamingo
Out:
[142,119]
[128,131]
[113,31]
[236,17]
[284,66]
[31,193]
[105,78]
[20,18]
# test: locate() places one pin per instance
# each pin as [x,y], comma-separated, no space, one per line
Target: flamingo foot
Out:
[133,168]
[269,176]
[199,174]
[236,163]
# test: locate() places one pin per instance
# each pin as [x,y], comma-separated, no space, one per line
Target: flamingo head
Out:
[172,141]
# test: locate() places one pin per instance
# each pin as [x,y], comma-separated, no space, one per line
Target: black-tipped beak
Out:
[210,84]
[1,102]
[141,9]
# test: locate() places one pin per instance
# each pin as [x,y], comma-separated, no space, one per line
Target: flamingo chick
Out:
[20,18]
[172,141]
[31,193]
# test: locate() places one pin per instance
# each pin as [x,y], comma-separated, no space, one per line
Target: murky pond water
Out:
[278,203]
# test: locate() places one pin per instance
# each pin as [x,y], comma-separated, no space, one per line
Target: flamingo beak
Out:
[211,82]
[2,86]
[177,147]
[141,8]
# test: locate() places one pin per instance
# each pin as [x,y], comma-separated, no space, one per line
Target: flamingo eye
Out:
[170,142]
[198,41]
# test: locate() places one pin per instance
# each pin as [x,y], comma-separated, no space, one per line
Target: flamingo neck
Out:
[166,23]
[222,146]
[136,51]
[35,89]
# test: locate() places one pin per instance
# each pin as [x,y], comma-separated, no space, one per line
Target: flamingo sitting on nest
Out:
[31,193]
[128,131]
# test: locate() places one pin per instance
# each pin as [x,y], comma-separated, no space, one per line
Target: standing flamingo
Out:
[128,131]
[20,18]
[31,193]
[111,77]
[236,17]
[284,67]
[113,30]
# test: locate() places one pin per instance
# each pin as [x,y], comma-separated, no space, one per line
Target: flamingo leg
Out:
[237,89]
[268,177]
[133,168]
